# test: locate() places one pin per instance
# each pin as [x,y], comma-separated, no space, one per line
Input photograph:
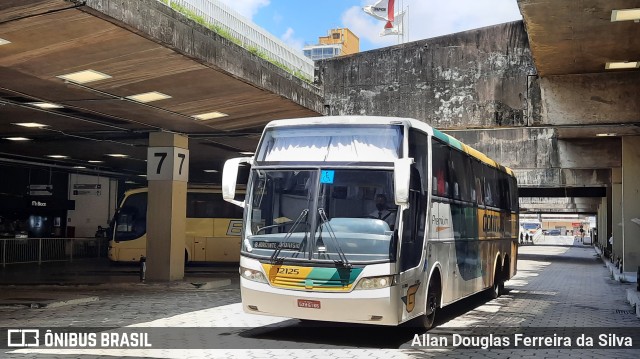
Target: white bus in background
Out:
[530,227]
[318,243]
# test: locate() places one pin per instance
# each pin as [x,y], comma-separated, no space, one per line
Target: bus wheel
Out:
[433,302]
[498,285]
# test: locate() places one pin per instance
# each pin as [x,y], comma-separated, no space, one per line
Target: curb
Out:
[47,303]
[633,296]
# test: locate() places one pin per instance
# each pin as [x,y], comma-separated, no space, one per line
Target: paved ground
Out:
[555,287]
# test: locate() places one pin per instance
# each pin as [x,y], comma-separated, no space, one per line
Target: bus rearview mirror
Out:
[230,178]
[401,177]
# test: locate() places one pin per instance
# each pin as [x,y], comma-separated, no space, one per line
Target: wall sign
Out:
[80,189]
[40,189]
[167,163]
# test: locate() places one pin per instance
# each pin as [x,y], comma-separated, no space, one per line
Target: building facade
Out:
[338,42]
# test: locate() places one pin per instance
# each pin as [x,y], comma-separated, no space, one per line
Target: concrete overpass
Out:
[141,46]
[536,95]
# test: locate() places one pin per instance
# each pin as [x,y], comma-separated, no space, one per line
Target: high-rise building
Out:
[338,42]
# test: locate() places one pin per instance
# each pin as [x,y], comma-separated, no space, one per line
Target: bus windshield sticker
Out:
[274,245]
[327,176]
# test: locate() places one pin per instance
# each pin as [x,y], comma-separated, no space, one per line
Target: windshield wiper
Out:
[274,257]
[343,261]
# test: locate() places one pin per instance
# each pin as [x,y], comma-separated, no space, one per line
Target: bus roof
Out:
[339,120]
[381,120]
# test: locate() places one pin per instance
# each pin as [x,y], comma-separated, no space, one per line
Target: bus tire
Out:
[434,292]
[498,284]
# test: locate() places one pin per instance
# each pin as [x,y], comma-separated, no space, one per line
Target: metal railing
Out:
[249,35]
[38,250]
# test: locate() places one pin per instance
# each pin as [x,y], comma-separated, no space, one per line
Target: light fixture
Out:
[130,182]
[209,115]
[626,15]
[142,175]
[45,105]
[149,97]
[79,167]
[246,153]
[605,134]
[30,124]
[94,161]
[83,77]
[211,171]
[17,138]
[117,155]
[57,156]
[4,42]
[622,65]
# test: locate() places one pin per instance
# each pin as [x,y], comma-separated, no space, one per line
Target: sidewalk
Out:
[56,284]
[633,295]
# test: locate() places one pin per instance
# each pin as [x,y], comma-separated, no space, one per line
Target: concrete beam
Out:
[160,23]
[540,148]
[562,177]
[581,210]
[515,148]
[559,204]
[550,201]
[540,159]
[590,153]
[588,99]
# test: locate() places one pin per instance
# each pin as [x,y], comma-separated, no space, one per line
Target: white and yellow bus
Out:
[212,232]
[318,242]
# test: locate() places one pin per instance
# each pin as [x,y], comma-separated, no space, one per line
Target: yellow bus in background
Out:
[212,232]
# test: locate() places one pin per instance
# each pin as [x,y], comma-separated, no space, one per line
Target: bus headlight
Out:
[252,275]
[375,282]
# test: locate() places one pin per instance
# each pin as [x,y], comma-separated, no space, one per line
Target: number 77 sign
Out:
[168,163]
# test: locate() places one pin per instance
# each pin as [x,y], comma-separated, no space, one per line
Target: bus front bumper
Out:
[371,306]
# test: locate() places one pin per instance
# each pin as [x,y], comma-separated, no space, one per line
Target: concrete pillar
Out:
[599,223]
[616,212]
[167,173]
[609,212]
[603,234]
[631,202]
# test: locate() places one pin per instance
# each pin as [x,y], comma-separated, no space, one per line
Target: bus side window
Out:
[440,163]
[477,180]
[461,174]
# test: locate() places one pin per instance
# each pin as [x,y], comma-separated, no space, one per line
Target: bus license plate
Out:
[313,304]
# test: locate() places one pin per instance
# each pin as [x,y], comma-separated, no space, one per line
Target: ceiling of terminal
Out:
[90,117]
[576,37]
[585,37]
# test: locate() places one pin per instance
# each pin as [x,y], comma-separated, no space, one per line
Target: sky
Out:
[300,22]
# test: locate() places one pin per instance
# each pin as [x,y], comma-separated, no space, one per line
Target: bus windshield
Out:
[353,217]
[130,221]
[382,143]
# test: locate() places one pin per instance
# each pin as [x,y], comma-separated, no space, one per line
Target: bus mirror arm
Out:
[230,178]
[401,179]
